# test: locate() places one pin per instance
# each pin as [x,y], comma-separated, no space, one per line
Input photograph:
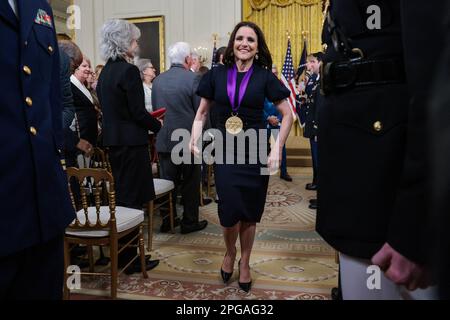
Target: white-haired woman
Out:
[148,74]
[126,122]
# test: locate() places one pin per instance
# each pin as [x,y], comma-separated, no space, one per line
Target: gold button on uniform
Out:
[33,131]
[378,126]
[50,49]
[29,101]
[27,70]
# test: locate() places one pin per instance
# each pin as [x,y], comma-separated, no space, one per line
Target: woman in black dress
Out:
[237,91]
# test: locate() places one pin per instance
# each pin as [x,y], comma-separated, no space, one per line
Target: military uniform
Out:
[439,140]
[372,152]
[309,114]
[36,207]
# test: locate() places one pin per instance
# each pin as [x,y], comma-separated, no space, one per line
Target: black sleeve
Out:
[83,119]
[407,229]
[70,138]
[206,88]
[132,83]
[275,90]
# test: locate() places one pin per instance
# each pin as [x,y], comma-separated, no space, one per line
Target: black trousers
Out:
[34,273]
[315,159]
[187,177]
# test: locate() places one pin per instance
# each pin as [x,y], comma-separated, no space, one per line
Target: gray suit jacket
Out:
[175,90]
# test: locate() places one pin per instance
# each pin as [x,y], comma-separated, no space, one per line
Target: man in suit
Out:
[36,207]
[175,91]
[372,138]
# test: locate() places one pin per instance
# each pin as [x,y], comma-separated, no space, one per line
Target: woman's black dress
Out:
[242,188]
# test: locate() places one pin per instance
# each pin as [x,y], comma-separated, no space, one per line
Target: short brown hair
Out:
[63,36]
[73,52]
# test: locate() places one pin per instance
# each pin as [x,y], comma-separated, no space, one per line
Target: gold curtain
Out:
[279,17]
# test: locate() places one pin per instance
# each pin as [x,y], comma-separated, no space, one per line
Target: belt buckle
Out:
[329,79]
[349,80]
[326,85]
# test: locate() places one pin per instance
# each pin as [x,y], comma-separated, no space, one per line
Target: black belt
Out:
[341,76]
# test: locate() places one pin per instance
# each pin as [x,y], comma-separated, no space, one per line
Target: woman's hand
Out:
[274,161]
[85,147]
[197,126]
[194,148]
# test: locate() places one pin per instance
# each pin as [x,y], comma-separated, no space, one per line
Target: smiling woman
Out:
[238,90]
[302,18]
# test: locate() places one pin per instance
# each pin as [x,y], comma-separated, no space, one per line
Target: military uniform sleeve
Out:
[55,98]
[408,227]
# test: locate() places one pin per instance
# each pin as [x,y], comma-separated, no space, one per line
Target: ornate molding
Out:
[262,4]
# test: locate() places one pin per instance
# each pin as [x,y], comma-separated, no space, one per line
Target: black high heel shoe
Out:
[226,276]
[244,286]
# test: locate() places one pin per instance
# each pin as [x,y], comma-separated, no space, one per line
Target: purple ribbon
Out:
[231,87]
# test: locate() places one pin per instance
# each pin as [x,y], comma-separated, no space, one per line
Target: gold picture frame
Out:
[61,15]
[151,28]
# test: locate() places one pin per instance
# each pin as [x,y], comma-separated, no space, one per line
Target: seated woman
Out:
[85,112]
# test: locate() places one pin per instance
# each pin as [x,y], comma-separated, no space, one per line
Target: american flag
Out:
[214,62]
[287,77]
[303,59]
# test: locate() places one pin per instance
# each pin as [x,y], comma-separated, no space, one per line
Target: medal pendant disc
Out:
[234,125]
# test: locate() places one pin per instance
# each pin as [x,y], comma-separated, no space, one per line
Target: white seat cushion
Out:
[163,186]
[126,219]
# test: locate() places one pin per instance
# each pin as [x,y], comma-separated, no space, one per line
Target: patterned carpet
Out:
[289,261]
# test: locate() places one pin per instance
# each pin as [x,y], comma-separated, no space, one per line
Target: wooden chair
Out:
[102,225]
[163,192]
[209,184]
[99,160]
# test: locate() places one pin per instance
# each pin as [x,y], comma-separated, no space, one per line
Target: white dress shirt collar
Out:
[82,88]
[13,5]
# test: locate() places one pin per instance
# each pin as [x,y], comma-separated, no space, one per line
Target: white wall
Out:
[193,21]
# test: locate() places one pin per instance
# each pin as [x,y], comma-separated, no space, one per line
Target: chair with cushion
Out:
[99,160]
[103,224]
[163,192]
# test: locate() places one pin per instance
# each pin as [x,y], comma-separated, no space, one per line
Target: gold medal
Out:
[234,125]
